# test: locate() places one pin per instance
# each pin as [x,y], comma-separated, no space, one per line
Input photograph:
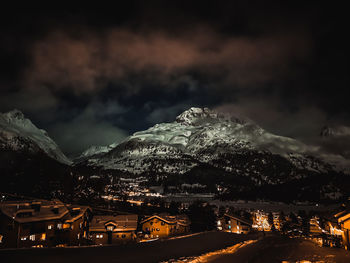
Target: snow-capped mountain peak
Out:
[197,136]
[190,116]
[198,116]
[15,129]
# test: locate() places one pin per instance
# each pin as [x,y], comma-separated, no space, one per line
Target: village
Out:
[41,223]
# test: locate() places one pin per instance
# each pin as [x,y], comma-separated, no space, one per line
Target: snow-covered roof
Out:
[177,219]
[120,222]
[242,220]
[29,211]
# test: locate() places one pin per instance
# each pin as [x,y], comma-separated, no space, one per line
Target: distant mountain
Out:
[335,131]
[202,136]
[31,163]
[336,140]
[94,151]
[18,133]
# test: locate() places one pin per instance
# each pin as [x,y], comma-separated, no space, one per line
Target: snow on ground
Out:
[210,255]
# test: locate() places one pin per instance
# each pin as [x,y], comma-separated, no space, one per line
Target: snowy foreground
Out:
[205,247]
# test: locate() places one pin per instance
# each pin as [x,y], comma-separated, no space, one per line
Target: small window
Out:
[1,238]
[123,235]
[59,226]
[24,238]
[80,225]
[110,228]
[66,226]
[151,223]
[32,237]
[43,237]
[157,229]
[50,227]
[78,236]
[162,223]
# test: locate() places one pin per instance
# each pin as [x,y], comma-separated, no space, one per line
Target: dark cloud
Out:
[115,72]
[88,128]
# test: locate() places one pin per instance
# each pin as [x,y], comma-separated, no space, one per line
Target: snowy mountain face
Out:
[336,141]
[200,137]
[18,133]
[339,131]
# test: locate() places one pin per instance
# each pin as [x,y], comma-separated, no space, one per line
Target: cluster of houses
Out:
[43,223]
[55,224]
[328,230]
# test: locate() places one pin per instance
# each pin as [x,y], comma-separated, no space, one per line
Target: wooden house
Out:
[343,219]
[113,229]
[164,225]
[41,224]
[234,224]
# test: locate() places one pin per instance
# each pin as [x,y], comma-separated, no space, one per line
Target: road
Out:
[277,248]
[148,252]
[271,248]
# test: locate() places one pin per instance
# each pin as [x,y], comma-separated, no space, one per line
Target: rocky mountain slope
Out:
[220,151]
[203,136]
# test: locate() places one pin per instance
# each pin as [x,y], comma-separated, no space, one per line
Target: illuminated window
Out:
[157,229]
[43,236]
[66,226]
[1,238]
[32,237]
[80,225]
[162,223]
[59,226]
[110,228]
[78,236]
[24,238]
[85,234]
[50,227]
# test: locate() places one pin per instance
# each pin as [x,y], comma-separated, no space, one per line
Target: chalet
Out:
[234,224]
[113,229]
[42,224]
[343,219]
[164,225]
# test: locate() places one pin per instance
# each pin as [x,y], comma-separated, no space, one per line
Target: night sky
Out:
[93,77]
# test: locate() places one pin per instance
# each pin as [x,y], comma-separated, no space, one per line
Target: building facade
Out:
[163,225]
[113,229]
[42,224]
[234,224]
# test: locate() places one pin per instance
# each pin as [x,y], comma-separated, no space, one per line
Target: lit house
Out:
[113,229]
[42,224]
[343,219]
[234,224]
[163,225]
